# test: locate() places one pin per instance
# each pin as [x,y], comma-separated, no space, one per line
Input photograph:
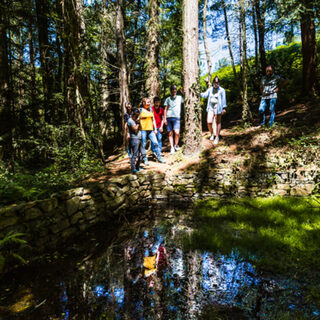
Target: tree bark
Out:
[205,41]
[121,56]
[260,10]
[6,117]
[42,12]
[246,113]
[75,81]
[153,80]
[309,50]
[33,91]
[228,38]
[240,41]
[190,76]
[254,24]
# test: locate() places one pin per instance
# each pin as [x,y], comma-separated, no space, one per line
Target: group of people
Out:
[147,122]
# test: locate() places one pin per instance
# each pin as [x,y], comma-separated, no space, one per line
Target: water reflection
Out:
[150,275]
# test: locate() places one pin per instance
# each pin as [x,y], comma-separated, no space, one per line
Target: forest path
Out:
[237,144]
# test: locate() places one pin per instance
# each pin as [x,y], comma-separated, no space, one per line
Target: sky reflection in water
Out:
[194,284]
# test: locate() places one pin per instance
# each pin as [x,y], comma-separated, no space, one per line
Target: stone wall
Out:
[49,222]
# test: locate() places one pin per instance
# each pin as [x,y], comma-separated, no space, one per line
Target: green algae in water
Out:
[278,234]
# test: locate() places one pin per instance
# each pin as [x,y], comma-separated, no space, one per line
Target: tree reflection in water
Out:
[185,284]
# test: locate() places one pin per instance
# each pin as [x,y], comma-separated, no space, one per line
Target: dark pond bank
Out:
[155,268]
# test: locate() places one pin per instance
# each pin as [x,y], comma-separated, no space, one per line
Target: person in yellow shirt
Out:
[149,129]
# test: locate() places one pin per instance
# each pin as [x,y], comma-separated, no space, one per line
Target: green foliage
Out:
[9,245]
[287,62]
[24,185]
[276,234]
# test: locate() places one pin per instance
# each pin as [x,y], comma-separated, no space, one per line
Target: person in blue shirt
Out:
[216,107]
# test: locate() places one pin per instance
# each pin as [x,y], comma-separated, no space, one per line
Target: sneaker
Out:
[139,169]
[134,171]
[161,160]
[177,148]
[162,154]
[216,140]
[212,137]
[146,162]
[172,151]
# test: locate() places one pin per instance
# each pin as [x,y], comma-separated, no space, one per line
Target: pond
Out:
[147,269]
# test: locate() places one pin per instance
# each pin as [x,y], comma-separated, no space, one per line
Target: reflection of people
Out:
[215,107]
[269,88]
[172,112]
[157,262]
[162,257]
[150,266]
[136,146]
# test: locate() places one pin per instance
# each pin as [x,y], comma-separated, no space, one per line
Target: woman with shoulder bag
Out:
[215,108]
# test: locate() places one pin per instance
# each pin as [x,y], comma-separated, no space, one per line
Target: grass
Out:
[276,234]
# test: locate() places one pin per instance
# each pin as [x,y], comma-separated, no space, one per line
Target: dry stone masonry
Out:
[49,222]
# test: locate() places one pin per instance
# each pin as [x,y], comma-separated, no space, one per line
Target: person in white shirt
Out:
[172,113]
[216,106]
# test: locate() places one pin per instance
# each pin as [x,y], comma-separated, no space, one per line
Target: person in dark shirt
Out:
[126,117]
[136,146]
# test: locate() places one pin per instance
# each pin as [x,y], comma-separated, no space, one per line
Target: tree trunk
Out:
[33,90]
[45,57]
[228,38]
[190,75]
[261,29]
[254,24]
[205,41]
[80,55]
[61,112]
[194,262]
[246,113]
[105,93]
[309,50]
[121,56]
[6,118]
[75,81]
[153,80]
[240,41]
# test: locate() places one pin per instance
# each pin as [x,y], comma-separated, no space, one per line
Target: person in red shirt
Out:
[158,115]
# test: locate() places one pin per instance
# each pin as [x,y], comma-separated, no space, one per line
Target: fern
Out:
[9,245]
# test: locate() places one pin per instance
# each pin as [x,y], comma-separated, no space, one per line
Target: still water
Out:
[143,270]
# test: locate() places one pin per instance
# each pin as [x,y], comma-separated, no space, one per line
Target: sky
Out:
[217,42]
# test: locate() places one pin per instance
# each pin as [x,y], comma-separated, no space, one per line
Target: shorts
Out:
[173,124]
[210,115]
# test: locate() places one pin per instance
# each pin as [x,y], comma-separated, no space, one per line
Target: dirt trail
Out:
[237,143]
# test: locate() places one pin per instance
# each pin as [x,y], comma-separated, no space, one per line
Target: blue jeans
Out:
[154,142]
[138,153]
[159,138]
[262,108]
